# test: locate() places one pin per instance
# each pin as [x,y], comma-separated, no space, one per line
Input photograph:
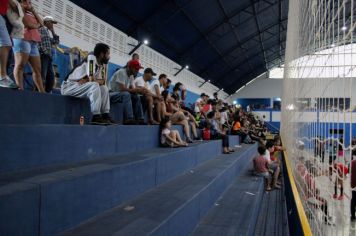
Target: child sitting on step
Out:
[168,137]
[260,165]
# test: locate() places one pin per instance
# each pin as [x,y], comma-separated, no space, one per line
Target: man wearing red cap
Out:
[123,90]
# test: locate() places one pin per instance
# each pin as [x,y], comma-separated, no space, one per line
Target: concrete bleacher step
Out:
[236,211]
[175,207]
[273,218]
[61,197]
[25,147]
[27,107]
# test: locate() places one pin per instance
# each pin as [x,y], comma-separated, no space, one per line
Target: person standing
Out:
[5,44]
[48,39]
[26,49]
[89,80]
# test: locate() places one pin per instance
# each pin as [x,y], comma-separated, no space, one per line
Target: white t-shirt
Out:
[223,117]
[120,77]
[267,156]
[153,89]
[140,82]
[197,103]
[164,134]
[82,71]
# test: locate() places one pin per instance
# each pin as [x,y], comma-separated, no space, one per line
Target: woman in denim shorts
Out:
[26,48]
[5,46]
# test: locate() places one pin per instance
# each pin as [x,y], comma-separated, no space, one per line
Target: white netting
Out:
[319,96]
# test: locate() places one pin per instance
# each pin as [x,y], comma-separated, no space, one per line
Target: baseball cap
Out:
[49,18]
[149,70]
[135,64]
[203,95]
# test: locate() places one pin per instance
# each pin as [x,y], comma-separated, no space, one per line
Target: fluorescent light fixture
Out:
[344,28]
[187,67]
[209,81]
[240,89]
[146,42]
[251,81]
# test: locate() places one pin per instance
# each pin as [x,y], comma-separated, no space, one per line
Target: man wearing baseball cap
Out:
[145,94]
[123,90]
[48,40]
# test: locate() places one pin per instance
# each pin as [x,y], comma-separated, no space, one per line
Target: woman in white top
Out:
[170,138]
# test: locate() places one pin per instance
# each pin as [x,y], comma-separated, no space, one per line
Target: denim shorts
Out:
[4,34]
[27,47]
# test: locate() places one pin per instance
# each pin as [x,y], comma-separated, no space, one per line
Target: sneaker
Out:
[341,197]
[98,120]
[130,122]
[7,83]
[109,119]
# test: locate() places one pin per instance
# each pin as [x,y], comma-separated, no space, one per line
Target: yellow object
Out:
[302,216]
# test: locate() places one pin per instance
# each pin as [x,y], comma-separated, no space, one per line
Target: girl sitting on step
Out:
[169,137]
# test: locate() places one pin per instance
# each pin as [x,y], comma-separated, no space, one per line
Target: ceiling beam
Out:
[112,4]
[234,31]
[260,33]
[202,34]
[214,27]
[234,47]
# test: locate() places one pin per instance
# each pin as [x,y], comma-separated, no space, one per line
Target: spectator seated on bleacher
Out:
[217,133]
[260,165]
[122,89]
[237,129]
[179,94]
[169,137]
[200,102]
[88,80]
[142,83]
[272,165]
[176,116]
[157,87]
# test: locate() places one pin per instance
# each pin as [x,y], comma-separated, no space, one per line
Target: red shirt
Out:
[342,169]
[3,6]
[260,164]
[31,34]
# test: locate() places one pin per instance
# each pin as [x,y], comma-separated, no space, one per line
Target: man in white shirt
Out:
[122,89]
[157,86]
[89,80]
[146,96]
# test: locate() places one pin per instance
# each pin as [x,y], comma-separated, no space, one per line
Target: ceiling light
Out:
[187,67]
[145,42]
[344,28]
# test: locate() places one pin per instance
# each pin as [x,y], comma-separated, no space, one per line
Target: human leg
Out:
[35,62]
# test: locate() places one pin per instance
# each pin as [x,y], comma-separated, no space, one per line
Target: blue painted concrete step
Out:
[67,195]
[175,207]
[33,146]
[236,211]
[26,107]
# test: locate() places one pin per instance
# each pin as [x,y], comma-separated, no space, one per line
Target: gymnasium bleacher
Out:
[58,177]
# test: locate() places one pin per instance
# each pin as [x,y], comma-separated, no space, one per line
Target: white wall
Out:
[261,88]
